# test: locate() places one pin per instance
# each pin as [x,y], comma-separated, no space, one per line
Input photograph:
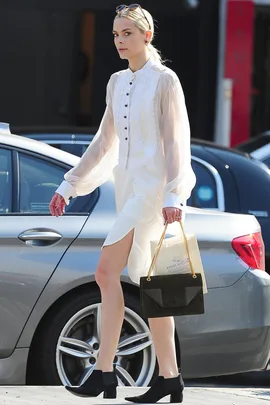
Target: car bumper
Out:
[233,335]
[13,368]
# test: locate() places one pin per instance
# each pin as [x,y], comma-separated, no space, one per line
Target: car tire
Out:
[49,362]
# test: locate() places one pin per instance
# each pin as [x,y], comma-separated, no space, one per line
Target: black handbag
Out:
[171,294]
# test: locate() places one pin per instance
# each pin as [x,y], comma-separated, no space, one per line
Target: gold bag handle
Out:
[154,259]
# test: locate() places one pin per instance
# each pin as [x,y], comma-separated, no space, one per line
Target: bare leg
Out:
[162,330]
[113,260]
[169,382]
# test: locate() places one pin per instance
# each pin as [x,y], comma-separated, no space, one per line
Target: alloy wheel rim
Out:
[78,347]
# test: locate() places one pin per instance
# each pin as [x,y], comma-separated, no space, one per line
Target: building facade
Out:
[57,56]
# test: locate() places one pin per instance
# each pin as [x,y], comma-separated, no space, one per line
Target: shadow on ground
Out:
[253,379]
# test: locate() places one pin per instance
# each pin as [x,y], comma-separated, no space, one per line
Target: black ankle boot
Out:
[160,389]
[97,383]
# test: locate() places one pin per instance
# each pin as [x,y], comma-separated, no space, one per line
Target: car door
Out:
[32,242]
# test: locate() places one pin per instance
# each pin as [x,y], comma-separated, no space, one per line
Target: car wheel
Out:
[69,344]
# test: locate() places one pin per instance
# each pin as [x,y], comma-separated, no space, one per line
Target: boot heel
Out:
[177,397]
[109,393]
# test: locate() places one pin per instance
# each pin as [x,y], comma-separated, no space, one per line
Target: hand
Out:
[57,205]
[171,214]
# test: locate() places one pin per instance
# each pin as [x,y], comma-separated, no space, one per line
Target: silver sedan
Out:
[50,304]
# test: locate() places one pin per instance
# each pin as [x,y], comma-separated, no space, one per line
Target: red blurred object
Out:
[239,63]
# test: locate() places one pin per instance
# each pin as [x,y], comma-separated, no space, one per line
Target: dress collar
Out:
[141,71]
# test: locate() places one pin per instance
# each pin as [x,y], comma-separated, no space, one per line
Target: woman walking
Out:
[144,139]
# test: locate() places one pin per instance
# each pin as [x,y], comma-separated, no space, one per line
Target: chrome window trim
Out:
[218,181]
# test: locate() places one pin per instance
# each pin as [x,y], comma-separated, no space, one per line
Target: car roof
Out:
[215,146]
[81,133]
[64,137]
[38,147]
[55,129]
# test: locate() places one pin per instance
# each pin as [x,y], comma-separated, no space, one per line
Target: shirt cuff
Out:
[67,191]
[173,200]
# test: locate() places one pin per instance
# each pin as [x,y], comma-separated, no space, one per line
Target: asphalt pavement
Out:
[25,395]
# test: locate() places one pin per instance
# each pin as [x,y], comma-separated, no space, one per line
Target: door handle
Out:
[40,237]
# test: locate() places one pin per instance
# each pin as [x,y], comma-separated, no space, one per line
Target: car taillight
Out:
[250,248]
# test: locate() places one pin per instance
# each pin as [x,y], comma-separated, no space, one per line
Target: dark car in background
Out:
[258,147]
[227,179]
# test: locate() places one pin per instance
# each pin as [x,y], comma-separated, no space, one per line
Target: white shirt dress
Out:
[144,140]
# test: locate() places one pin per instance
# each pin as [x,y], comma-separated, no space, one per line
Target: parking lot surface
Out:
[17,395]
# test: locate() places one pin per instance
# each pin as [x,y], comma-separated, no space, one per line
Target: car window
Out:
[204,194]
[38,181]
[5,181]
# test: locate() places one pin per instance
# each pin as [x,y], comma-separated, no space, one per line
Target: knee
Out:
[103,277]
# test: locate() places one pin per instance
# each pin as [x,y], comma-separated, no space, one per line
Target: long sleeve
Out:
[96,165]
[180,178]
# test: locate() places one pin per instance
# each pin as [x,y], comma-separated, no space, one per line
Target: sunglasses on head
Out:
[132,7]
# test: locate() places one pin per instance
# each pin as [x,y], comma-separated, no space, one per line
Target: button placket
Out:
[127,117]
[126,105]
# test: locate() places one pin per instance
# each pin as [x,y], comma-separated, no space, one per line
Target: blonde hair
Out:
[138,17]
